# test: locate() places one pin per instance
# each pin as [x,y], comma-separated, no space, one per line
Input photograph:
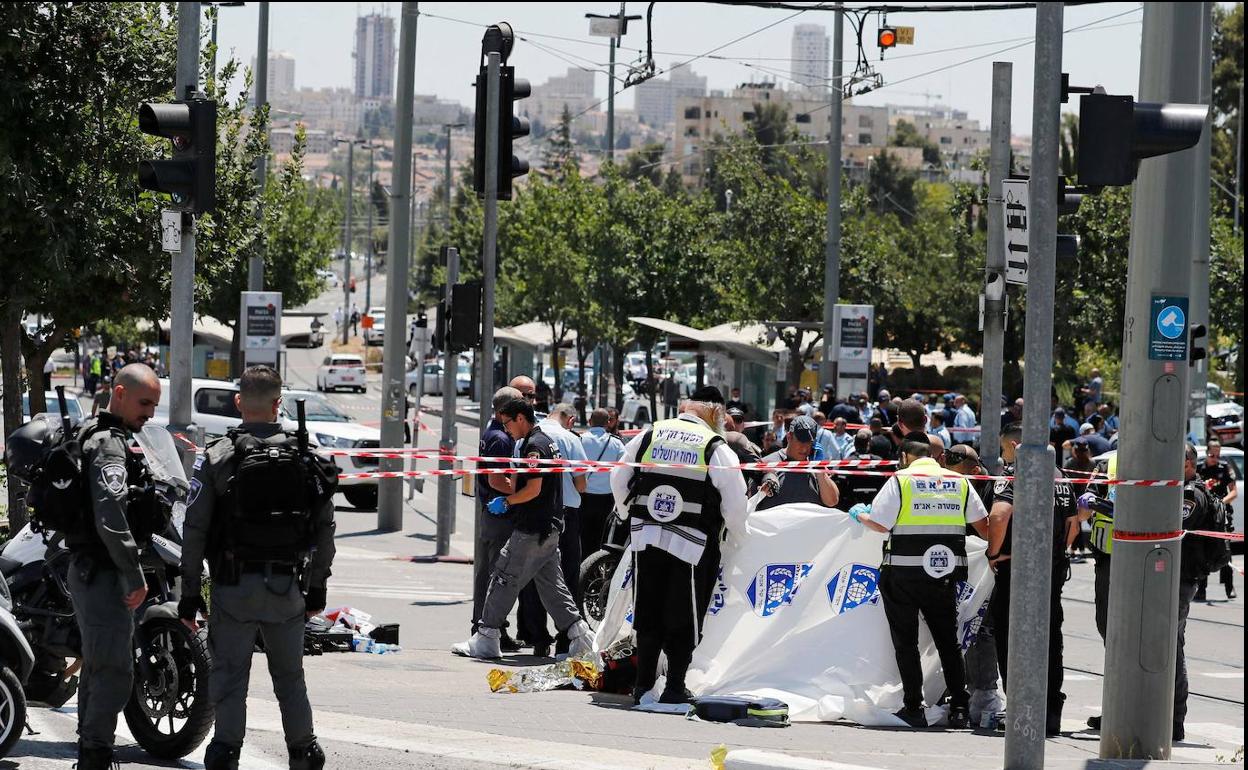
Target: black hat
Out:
[708,393]
[736,413]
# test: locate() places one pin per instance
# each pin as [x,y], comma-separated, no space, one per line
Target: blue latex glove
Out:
[498,506]
[858,510]
[816,452]
[1086,500]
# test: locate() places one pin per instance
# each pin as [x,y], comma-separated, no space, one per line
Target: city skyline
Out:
[753,45]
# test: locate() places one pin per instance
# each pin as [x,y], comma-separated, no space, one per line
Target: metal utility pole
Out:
[1239,159]
[182,289]
[615,43]
[832,252]
[1142,629]
[994,273]
[394,360]
[346,244]
[450,367]
[489,250]
[255,265]
[1032,547]
[1201,163]
[368,258]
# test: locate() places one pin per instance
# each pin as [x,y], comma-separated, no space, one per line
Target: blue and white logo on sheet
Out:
[720,596]
[853,586]
[775,585]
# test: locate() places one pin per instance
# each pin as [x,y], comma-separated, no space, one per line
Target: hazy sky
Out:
[747,44]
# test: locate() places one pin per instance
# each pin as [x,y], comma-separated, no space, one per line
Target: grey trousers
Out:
[276,610]
[522,559]
[107,675]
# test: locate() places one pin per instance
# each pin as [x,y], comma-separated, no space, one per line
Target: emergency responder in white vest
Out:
[676,514]
[924,509]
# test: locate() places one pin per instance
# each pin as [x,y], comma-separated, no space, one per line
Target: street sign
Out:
[854,327]
[171,231]
[604,26]
[261,317]
[1016,200]
[1167,329]
[905,35]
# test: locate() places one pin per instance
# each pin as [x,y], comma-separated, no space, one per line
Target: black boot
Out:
[95,759]
[309,757]
[219,756]
[913,717]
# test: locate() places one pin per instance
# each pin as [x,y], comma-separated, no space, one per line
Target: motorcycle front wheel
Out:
[596,574]
[12,710]
[169,712]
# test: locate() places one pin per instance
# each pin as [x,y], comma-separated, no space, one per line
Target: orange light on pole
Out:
[886,37]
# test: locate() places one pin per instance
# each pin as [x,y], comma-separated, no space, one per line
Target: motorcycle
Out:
[169,712]
[16,662]
[598,568]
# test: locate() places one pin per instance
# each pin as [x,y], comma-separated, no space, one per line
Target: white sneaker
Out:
[580,640]
[484,644]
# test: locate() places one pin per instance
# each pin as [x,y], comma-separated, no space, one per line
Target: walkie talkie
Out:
[64,406]
[301,435]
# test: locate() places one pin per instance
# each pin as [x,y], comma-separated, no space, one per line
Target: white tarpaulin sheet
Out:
[797,615]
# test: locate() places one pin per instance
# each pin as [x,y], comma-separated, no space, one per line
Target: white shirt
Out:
[724,476]
[886,506]
[964,418]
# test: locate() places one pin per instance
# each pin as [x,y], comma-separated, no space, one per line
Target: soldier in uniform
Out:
[106,580]
[261,509]
[1220,481]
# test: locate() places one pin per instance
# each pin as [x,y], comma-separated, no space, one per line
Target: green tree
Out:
[1228,84]
[559,154]
[906,135]
[645,162]
[891,186]
[81,240]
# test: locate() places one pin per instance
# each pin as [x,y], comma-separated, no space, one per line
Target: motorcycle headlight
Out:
[334,442]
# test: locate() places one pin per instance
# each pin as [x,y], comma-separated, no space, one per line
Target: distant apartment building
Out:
[700,120]
[335,110]
[810,52]
[575,91]
[281,74]
[657,97]
[318,142]
[429,110]
[959,137]
[374,57]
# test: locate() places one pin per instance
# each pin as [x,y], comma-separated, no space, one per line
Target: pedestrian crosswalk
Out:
[409,591]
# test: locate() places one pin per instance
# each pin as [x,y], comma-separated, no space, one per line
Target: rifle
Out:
[301,435]
[64,406]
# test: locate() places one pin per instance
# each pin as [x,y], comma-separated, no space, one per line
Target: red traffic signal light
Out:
[190,176]
[886,37]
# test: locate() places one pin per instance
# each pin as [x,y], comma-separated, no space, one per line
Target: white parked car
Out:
[432,372]
[329,277]
[74,408]
[341,370]
[1235,458]
[377,334]
[636,411]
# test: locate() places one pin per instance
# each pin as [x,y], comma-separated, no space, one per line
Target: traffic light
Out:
[510,127]
[1117,132]
[190,176]
[465,322]
[1195,345]
[438,341]
[886,38]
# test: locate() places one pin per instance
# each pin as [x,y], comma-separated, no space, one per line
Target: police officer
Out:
[924,509]
[534,502]
[262,512]
[1000,529]
[675,517]
[106,580]
[1218,478]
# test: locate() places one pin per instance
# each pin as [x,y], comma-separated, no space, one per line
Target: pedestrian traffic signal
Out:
[1117,132]
[886,37]
[465,322]
[190,176]
[1195,345]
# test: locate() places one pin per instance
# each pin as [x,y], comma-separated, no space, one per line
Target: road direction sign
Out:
[1016,201]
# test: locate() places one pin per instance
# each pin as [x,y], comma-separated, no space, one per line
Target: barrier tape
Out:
[426,454]
[1147,537]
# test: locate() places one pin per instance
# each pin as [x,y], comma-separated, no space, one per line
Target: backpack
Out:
[1217,550]
[274,494]
[58,498]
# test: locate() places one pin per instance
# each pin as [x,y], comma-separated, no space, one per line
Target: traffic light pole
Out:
[346,244]
[1031,560]
[489,249]
[1142,629]
[450,371]
[1198,396]
[994,273]
[832,250]
[368,255]
[255,265]
[182,289]
[394,369]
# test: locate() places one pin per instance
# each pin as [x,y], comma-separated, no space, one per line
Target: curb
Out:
[753,759]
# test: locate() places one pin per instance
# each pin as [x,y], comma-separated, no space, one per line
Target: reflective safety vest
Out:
[672,508]
[929,537]
[1103,523]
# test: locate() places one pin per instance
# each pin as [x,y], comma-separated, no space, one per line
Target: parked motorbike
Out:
[168,712]
[598,568]
[16,662]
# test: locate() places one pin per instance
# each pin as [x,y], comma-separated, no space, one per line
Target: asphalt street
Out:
[425,708]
